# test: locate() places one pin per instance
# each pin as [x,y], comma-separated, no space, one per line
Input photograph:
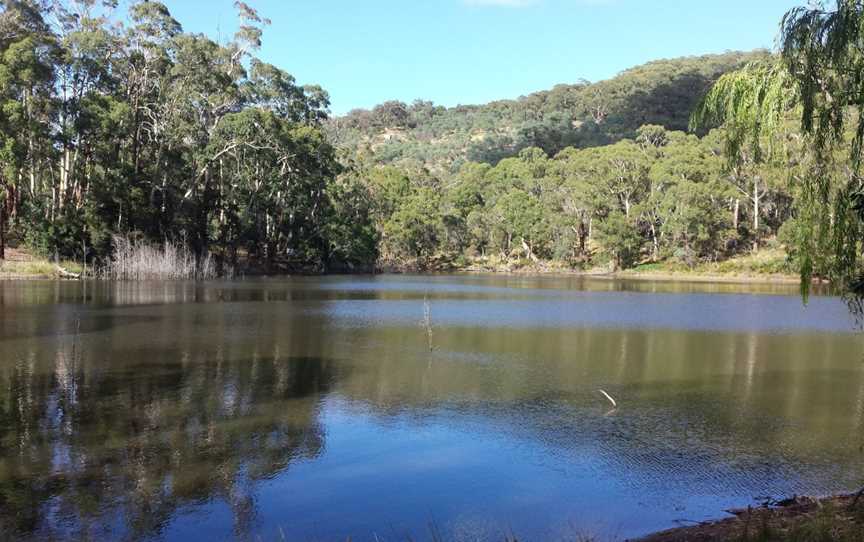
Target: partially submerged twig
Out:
[75,338]
[427,320]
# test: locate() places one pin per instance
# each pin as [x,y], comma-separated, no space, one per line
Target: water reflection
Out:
[99,437]
[313,407]
[389,287]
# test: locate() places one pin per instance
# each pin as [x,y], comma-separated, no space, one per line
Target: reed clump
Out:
[141,260]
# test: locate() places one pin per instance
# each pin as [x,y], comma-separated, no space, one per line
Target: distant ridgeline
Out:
[663,92]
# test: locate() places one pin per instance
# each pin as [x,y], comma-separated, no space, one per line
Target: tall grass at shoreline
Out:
[140,260]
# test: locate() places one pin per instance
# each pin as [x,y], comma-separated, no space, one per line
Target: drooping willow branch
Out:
[818,77]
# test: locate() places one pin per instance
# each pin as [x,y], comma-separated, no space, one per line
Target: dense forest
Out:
[119,129]
[133,127]
[587,175]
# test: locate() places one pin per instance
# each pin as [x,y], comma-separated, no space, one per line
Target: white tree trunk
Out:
[735,213]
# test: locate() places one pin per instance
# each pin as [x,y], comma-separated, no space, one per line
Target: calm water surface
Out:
[312,408]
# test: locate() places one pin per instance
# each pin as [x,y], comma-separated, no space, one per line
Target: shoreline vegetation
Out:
[149,262]
[21,265]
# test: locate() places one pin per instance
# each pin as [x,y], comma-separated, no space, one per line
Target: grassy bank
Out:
[766,265]
[769,264]
[21,265]
[130,260]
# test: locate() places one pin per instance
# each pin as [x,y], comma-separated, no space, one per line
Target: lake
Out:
[314,408]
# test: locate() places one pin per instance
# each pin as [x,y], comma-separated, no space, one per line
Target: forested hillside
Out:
[119,131]
[662,92]
[583,176]
[664,195]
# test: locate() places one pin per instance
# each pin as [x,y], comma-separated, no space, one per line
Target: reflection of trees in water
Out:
[795,397]
[96,294]
[83,444]
[120,293]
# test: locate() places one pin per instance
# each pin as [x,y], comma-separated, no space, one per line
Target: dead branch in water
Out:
[611,400]
[427,320]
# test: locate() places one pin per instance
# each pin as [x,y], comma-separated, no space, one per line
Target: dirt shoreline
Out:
[623,275]
[837,517]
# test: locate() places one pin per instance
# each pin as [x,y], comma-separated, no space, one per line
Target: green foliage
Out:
[692,222]
[661,93]
[621,239]
[751,103]
[414,230]
[351,233]
[665,195]
[821,50]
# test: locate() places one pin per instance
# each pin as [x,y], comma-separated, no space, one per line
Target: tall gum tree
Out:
[27,52]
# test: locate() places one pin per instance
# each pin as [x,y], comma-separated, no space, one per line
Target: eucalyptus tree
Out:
[272,186]
[621,239]
[653,140]
[27,57]
[624,174]
[522,223]
[575,169]
[415,230]
[145,78]
[689,193]
[609,183]
[87,92]
[694,225]
[353,240]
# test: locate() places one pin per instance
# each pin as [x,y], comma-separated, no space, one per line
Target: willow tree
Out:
[818,78]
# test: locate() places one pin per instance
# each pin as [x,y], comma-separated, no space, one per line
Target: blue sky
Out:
[473,51]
